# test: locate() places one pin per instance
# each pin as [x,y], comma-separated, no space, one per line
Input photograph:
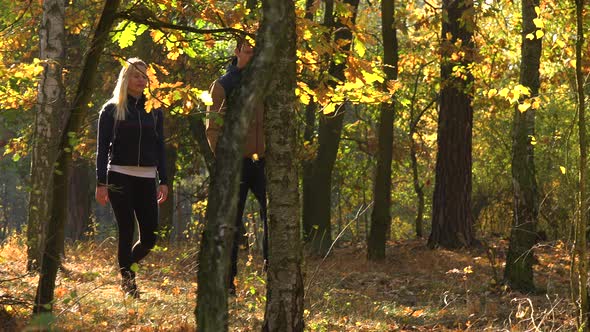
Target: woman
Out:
[130,154]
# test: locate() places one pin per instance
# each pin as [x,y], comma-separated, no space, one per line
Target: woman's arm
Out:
[161,151]
[104,137]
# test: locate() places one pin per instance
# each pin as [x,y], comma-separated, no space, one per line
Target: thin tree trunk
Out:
[418,188]
[580,243]
[452,222]
[48,125]
[166,222]
[78,199]
[284,305]
[318,212]
[308,136]
[55,230]
[197,128]
[519,260]
[211,309]
[380,217]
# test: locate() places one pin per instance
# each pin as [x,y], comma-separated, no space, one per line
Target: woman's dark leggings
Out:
[133,197]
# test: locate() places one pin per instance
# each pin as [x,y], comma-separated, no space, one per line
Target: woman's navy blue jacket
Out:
[136,141]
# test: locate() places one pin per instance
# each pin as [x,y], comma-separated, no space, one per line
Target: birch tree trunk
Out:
[75,119]
[48,123]
[211,308]
[284,296]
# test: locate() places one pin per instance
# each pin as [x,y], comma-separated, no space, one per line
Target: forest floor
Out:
[414,289]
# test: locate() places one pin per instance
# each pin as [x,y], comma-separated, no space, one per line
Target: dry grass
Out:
[415,289]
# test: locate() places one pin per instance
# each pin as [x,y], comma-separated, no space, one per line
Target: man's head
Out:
[244,52]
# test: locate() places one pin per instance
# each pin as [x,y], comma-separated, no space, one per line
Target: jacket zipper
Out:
[138,143]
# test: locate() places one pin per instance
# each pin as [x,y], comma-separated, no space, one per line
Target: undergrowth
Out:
[414,289]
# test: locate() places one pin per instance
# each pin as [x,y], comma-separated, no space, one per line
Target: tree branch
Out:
[144,16]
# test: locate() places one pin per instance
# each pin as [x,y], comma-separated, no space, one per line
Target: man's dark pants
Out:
[253,178]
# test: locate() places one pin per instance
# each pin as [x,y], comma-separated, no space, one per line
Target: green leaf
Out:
[127,36]
[134,267]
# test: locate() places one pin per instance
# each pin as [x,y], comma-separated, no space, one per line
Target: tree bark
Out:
[317,208]
[581,241]
[452,222]
[197,128]
[55,229]
[284,304]
[519,260]
[48,125]
[166,222]
[380,217]
[211,309]
[79,199]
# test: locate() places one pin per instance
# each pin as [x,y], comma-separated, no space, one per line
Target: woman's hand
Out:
[162,193]
[102,195]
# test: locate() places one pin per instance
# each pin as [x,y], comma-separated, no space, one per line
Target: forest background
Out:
[188,44]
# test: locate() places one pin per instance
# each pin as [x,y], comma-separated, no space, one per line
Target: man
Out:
[253,176]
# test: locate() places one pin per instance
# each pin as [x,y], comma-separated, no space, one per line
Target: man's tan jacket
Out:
[254,145]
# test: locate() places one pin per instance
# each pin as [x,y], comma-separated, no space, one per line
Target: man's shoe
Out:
[129,287]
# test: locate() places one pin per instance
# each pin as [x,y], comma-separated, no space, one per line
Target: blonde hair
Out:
[120,92]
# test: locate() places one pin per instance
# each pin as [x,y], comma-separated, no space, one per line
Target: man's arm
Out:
[215,114]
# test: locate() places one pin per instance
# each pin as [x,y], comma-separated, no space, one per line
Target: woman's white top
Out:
[139,171]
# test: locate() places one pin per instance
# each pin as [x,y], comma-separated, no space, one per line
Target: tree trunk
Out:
[284,304]
[197,128]
[166,222]
[452,222]
[48,124]
[380,217]
[418,188]
[519,260]
[55,229]
[580,243]
[308,136]
[310,227]
[211,309]
[317,210]
[79,199]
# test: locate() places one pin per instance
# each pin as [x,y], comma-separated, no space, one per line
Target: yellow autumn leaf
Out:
[530,36]
[562,169]
[539,23]
[537,10]
[468,269]
[572,63]
[157,36]
[330,108]
[523,107]
[539,34]
[536,103]
[504,92]
[372,77]
[357,84]
[525,91]
[360,48]
[560,43]
[304,98]
[492,92]
[533,140]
